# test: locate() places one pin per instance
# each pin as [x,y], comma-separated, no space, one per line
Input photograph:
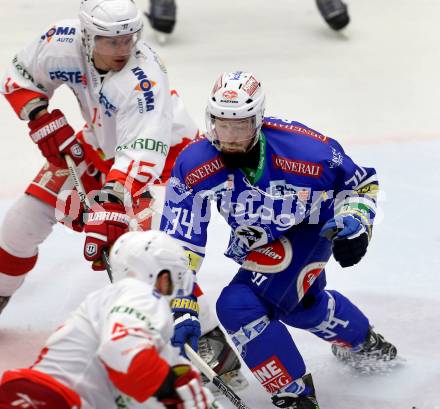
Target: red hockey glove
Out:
[55,138]
[73,213]
[105,223]
[183,389]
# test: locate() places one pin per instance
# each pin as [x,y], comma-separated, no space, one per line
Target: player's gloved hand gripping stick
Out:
[86,204]
[349,238]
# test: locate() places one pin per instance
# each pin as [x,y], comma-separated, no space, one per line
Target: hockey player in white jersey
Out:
[135,126]
[114,350]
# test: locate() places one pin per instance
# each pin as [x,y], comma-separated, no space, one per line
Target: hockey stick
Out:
[206,370]
[86,204]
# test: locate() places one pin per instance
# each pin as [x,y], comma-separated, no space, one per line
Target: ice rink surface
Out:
[374,87]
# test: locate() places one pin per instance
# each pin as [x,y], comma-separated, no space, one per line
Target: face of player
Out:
[164,284]
[112,53]
[233,135]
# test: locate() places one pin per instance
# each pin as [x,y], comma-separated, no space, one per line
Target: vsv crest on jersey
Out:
[145,87]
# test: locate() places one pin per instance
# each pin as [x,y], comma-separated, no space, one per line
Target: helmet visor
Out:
[231,135]
[115,46]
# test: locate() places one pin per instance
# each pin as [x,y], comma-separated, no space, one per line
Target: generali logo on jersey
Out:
[272,375]
[298,167]
[294,128]
[202,172]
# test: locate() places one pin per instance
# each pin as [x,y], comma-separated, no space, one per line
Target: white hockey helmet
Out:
[109,18]
[235,95]
[145,254]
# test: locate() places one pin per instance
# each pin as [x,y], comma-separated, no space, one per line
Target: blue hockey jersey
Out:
[302,177]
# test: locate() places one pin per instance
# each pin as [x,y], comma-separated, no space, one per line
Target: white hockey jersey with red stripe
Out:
[96,347]
[131,115]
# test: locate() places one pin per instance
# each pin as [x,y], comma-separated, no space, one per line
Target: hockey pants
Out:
[256,307]
[264,342]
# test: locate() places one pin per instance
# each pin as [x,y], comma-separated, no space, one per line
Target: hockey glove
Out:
[73,213]
[350,238]
[186,323]
[55,138]
[105,223]
[182,389]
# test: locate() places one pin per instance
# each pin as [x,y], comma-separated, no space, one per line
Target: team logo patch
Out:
[272,375]
[307,277]
[251,236]
[270,258]
[91,249]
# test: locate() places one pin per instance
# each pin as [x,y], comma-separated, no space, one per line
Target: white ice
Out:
[375,87]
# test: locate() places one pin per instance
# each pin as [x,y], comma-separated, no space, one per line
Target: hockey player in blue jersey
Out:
[292,198]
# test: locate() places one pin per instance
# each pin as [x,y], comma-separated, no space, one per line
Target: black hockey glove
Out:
[350,238]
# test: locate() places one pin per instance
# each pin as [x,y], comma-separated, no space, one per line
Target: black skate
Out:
[162,15]
[3,301]
[291,401]
[334,12]
[218,354]
[371,356]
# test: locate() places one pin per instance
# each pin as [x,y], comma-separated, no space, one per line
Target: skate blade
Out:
[374,366]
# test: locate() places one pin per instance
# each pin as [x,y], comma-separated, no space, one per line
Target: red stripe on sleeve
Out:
[144,377]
